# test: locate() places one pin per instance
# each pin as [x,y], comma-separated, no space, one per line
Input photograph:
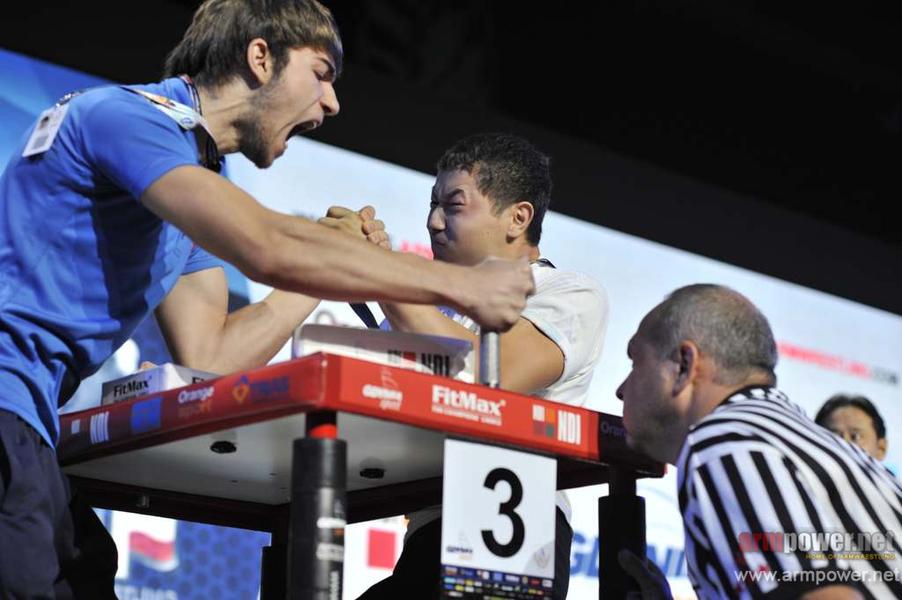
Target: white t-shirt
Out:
[571,309]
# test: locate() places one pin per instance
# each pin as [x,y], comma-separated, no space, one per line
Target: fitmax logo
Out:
[130,387]
[467,405]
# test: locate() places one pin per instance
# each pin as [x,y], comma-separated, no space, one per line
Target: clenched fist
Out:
[498,289]
[361,223]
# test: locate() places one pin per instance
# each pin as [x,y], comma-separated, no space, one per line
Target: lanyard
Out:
[543,261]
[188,119]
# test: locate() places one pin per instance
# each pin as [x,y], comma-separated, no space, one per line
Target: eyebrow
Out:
[330,66]
[446,196]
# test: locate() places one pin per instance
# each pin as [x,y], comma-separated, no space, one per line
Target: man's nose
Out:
[436,220]
[329,101]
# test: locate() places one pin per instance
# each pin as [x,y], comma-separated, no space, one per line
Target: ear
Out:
[521,215]
[260,61]
[881,449]
[687,362]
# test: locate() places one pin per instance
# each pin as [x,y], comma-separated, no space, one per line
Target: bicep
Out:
[213,212]
[191,314]
[530,361]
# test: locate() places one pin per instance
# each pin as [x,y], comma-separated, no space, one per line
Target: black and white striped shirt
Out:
[758,465]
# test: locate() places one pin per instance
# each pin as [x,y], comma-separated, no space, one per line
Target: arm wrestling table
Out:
[220,451]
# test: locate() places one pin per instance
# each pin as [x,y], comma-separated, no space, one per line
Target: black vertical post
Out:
[621,524]
[317,514]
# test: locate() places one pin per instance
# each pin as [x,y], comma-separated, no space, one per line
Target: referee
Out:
[773,505]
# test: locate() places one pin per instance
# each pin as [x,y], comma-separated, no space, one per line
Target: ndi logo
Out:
[100,427]
[569,427]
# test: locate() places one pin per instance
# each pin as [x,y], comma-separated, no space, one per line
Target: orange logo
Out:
[241,390]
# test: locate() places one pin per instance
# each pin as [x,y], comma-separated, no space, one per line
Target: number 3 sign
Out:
[498,510]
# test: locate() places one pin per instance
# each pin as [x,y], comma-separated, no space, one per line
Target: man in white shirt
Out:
[489,199]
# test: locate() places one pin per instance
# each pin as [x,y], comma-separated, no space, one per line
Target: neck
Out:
[222,107]
[704,400]
[670,446]
[518,250]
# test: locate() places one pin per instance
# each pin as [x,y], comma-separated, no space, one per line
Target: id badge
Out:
[45,131]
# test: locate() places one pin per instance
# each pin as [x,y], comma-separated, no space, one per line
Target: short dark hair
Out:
[838,401]
[507,169]
[213,49]
[722,322]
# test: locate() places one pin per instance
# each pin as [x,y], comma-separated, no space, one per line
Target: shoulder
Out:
[107,98]
[573,285]
[760,423]
[115,109]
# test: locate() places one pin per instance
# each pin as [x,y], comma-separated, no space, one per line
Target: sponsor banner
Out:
[171,413]
[464,582]
[458,407]
[160,378]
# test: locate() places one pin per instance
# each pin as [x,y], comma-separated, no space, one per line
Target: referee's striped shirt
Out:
[758,464]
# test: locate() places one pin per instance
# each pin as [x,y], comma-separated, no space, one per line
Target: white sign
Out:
[498,509]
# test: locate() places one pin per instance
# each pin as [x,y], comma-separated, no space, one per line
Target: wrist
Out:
[458,289]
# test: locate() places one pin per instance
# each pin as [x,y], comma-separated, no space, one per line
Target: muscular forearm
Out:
[252,335]
[295,254]
[330,265]
[414,318]
[298,255]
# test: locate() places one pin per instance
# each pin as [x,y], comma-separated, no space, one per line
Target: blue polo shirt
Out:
[82,262]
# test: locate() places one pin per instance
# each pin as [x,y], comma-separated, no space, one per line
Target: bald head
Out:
[724,325]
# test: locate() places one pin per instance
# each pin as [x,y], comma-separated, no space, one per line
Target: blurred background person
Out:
[856,420]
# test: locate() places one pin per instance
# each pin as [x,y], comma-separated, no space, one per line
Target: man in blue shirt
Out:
[111,209]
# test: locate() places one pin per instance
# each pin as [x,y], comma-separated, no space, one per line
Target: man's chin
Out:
[258,156]
[439,253]
[263,162]
[634,443]
[630,440]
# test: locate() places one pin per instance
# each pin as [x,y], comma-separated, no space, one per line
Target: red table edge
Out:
[328,382]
